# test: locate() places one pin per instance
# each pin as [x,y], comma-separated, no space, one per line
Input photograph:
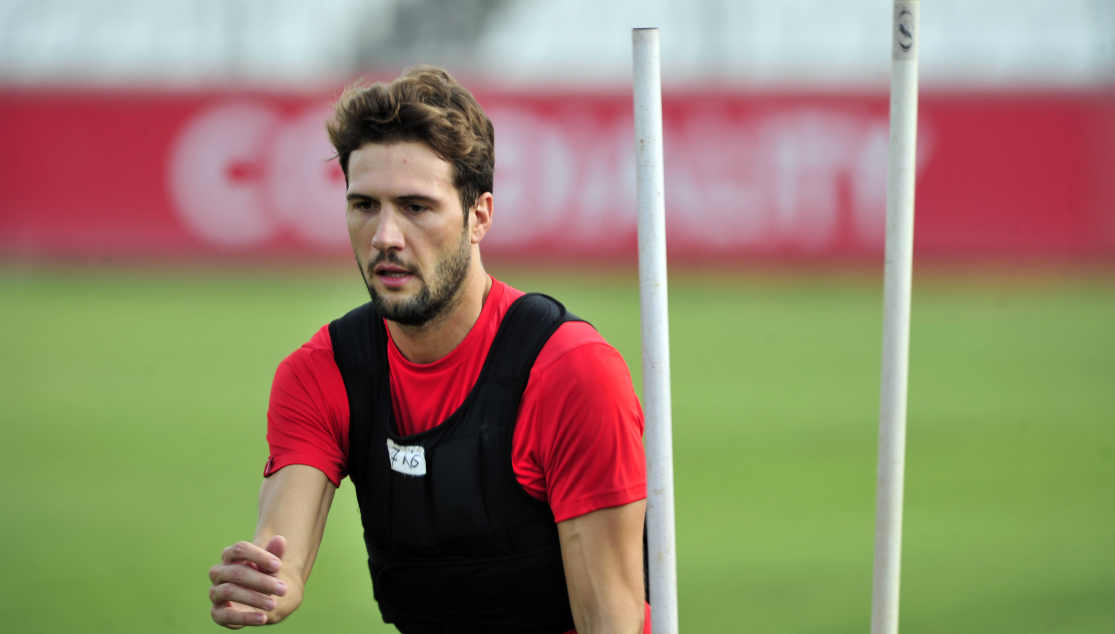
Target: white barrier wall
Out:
[782,175]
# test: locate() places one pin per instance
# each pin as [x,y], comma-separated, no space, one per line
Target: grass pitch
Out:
[132,445]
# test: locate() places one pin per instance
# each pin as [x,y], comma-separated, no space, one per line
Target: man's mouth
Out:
[392,276]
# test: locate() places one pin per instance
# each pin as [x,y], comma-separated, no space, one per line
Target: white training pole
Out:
[658,439]
[896,316]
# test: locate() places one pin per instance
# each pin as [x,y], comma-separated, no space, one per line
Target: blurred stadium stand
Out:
[290,43]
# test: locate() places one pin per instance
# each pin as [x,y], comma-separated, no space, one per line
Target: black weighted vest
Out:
[462,548]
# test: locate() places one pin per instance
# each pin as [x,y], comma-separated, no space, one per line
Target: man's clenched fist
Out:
[246,583]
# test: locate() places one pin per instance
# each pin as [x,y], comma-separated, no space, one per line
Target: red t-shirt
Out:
[578,407]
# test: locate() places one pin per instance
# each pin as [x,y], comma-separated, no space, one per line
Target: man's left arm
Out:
[580,432]
[603,556]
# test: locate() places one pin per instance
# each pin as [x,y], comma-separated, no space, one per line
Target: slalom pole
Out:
[658,439]
[896,316]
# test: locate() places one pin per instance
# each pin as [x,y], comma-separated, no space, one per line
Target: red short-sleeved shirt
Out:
[578,406]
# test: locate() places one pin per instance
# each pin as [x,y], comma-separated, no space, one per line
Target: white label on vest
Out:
[408,460]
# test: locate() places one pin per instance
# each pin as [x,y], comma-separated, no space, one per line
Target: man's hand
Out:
[246,582]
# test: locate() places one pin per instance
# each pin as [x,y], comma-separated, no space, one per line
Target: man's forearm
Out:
[263,582]
[294,502]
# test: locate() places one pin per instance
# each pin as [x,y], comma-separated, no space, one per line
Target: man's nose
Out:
[388,235]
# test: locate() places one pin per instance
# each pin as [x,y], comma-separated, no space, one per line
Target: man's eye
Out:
[416,208]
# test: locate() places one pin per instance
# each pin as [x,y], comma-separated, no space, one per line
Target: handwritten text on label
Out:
[409,460]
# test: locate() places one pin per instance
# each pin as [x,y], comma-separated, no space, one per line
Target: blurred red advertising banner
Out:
[747,175]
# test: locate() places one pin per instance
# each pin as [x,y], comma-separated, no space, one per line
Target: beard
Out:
[435,299]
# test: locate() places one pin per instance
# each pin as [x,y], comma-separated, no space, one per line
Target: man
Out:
[494,440]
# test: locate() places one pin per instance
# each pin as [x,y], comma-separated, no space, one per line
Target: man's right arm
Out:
[262,581]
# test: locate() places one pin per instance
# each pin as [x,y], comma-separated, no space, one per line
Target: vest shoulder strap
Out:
[359,336]
[358,339]
[528,325]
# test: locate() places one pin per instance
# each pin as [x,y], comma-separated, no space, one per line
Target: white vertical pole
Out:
[658,439]
[896,316]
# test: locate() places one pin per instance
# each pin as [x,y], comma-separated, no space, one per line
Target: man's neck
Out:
[429,342]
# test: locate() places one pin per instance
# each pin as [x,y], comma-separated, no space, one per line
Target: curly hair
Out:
[425,104]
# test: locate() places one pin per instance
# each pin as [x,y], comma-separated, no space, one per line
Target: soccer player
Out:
[493,439]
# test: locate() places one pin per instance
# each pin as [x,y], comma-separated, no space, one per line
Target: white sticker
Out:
[408,460]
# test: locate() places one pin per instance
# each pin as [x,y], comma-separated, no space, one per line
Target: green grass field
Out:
[133,419]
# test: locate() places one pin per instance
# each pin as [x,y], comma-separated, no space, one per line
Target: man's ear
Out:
[481,213]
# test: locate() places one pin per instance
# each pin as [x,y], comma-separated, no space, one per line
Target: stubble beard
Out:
[434,300]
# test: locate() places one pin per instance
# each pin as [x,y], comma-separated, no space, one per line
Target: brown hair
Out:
[424,104]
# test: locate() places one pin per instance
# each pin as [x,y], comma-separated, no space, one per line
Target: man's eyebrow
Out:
[406,198]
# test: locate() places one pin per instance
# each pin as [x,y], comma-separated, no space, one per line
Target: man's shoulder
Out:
[320,341]
[576,345]
[318,350]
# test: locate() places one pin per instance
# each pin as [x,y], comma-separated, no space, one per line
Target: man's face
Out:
[409,233]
